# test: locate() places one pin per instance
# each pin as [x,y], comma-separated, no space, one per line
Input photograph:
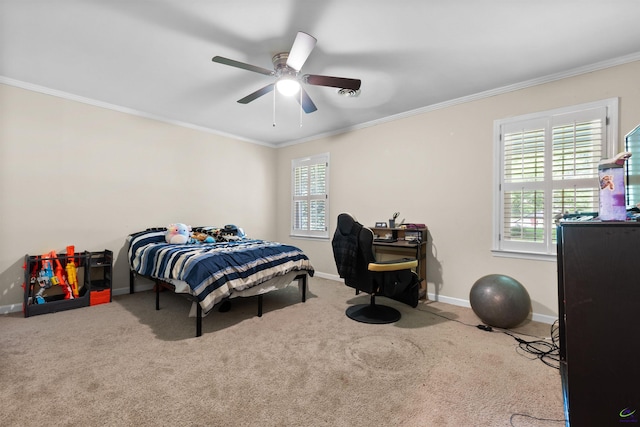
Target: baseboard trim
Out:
[10,308]
[327,276]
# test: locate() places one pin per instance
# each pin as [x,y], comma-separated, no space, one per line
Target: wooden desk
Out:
[405,248]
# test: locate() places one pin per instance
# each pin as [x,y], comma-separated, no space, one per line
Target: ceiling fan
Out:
[286,70]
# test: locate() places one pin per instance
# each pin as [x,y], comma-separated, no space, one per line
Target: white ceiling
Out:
[153,57]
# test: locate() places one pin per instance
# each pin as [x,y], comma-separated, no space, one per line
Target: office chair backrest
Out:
[353,251]
[366,246]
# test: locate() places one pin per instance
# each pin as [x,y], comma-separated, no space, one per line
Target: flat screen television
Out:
[632,144]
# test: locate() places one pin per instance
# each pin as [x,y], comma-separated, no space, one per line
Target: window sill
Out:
[524,255]
[302,236]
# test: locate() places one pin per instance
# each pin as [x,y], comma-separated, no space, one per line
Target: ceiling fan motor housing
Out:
[286,70]
[280,65]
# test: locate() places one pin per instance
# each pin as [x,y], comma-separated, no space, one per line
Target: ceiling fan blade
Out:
[302,47]
[257,94]
[306,103]
[339,82]
[238,64]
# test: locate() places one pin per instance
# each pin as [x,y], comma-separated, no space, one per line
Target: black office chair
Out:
[356,262]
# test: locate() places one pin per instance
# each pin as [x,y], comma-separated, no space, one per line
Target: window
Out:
[310,196]
[547,165]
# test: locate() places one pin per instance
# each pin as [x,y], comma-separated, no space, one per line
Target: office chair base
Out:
[373,313]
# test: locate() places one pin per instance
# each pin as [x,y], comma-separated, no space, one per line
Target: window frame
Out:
[545,250]
[309,161]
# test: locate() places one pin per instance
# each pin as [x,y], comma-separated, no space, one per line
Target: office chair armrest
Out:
[400,264]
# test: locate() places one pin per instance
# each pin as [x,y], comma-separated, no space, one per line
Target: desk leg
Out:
[422,272]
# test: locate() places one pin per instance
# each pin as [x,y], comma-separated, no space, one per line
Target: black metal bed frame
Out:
[301,278]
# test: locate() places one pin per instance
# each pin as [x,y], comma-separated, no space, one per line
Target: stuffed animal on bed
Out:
[198,237]
[178,233]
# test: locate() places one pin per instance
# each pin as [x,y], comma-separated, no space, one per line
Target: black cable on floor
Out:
[547,352]
[533,418]
[444,317]
[541,348]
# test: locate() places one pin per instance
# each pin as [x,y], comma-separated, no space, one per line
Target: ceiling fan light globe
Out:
[288,87]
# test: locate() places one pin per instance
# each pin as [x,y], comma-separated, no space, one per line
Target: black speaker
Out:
[599,322]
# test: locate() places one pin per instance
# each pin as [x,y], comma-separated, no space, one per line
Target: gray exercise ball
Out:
[500,301]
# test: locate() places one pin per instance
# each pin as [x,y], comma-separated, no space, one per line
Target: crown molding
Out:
[474,97]
[95,103]
[480,95]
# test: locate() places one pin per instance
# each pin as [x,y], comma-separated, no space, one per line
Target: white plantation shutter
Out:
[310,204]
[579,143]
[548,165]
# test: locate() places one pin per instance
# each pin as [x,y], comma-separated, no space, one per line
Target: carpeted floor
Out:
[300,364]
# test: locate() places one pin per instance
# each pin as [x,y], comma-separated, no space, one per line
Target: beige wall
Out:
[437,168]
[76,174]
[72,173]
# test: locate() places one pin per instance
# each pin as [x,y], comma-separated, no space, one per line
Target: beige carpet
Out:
[125,364]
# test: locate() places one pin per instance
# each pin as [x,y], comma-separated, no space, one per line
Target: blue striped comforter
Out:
[213,271]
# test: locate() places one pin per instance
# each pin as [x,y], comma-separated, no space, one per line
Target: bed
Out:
[212,273]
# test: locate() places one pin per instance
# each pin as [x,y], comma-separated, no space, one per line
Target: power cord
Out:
[547,352]
[444,317]
[533,418]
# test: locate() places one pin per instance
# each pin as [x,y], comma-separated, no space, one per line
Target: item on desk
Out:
[414,225]
[385,240]
[576,217]
[381,225]
[413,236]
[392,221]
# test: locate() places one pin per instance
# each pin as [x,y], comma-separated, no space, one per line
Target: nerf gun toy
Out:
[59,278]
[44,278]
[43,286]
[33,279]
[72,275]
